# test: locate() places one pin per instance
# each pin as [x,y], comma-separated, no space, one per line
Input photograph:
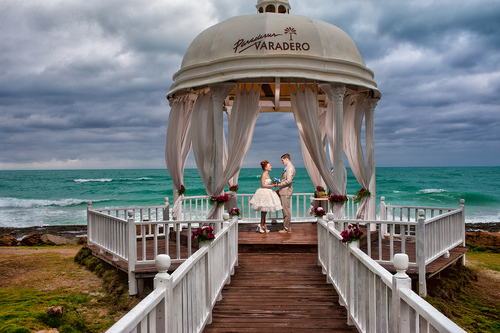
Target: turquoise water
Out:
[34,198]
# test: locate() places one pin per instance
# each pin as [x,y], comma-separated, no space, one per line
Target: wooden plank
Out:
[276,292]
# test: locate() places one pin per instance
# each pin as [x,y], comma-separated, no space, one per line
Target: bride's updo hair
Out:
[263,164]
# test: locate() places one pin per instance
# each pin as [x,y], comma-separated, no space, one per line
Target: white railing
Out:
[432,238]
[183,301]
[375,300]
[197,207]
[128,239]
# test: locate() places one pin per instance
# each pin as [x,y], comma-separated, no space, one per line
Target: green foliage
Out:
[25,309]
[451,295]
[480,248]
[13,328]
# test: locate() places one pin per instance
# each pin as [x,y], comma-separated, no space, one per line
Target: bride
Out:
[265,199]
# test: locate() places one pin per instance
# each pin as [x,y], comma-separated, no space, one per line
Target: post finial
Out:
[401,263]
[162,263]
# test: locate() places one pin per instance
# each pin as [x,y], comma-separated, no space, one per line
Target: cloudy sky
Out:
[83,82]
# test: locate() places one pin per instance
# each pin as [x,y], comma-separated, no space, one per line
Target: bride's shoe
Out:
[267,231]
[259,229]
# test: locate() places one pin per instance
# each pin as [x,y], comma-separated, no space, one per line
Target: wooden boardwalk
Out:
[278,292]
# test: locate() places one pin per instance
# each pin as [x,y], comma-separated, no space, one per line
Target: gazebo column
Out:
[370,157]
[338,92]
[219,93]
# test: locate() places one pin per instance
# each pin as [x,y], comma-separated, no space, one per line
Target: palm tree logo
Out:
[291,31]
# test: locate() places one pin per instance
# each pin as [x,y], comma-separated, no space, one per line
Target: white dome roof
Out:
[268,45]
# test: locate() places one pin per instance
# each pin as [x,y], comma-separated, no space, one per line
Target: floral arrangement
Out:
[320,192]
[319,212]
[234,188]
[338,199]
[219,200]
[360,194]
[203,234]
[235,211]
[351,234]
[182,190]
[275,181]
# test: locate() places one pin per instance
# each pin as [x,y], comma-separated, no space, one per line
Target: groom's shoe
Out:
[284,231]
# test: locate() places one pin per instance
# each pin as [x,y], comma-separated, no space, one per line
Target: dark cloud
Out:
[83,83]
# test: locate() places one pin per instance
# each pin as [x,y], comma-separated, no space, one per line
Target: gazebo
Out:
[273,61]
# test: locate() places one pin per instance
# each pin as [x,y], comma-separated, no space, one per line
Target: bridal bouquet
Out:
[275,181]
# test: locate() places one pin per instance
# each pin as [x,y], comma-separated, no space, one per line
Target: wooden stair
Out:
[279,292]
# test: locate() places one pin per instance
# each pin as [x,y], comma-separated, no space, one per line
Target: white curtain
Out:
[306,112]
[330,132]
[178,144]
[353,121]
[311,168]
[241,126]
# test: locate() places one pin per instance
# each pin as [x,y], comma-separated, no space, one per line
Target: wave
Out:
[36,203]
[432,190]
[99,180]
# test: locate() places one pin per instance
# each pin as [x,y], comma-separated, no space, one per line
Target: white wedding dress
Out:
[266,200]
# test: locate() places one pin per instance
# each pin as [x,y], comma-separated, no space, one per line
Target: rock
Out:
[55,240]
[31,240]
[82,241]
[8,240]
[482,238]
[56,311]
[52,330]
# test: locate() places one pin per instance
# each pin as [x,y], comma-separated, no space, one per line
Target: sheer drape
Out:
[330,132]
[311,168]
[178,144]
[353,121]
[305,110]
[241,126]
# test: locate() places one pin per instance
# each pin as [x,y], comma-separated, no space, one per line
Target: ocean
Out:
[38,198]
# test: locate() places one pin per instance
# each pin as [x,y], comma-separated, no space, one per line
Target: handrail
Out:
[126,239]
[185,299]
[374,299]
[197,207]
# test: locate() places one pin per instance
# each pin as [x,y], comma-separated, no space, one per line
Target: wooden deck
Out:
[303,239]
[278,292]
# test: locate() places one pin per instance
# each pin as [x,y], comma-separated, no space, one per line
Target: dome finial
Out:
[273,6]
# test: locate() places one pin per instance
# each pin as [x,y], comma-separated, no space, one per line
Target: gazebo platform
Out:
[303,239]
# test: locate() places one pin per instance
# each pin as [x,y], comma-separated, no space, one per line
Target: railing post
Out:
[422,283]
[351,281]
[225,226]
[165,314]
[166,210]
[383,216]
[132,253]
[89,223]
[325,246]
[462,207]
[399,320]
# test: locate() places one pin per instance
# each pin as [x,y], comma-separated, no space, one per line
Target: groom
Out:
[286,191]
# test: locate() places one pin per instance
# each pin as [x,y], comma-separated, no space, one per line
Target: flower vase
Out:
[355,244]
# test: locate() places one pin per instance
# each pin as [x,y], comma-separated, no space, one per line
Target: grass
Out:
[468,295]
[45,277]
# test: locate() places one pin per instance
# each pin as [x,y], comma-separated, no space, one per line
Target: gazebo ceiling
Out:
[272,48]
